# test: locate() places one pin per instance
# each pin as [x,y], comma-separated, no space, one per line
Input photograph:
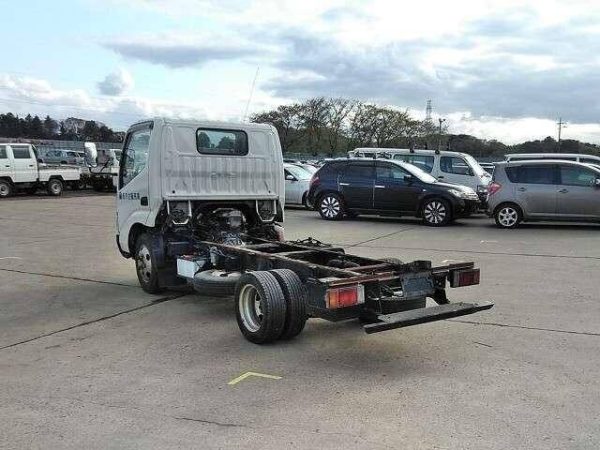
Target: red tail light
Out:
[345,296]
[314,180]
[493,188]
[466,277]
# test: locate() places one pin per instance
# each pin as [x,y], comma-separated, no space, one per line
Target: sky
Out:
[497,69]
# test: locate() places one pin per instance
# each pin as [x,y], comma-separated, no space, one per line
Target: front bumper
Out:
[423,315]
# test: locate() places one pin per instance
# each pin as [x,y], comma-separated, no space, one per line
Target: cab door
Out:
[356,184]
[395,189]
[7,168]
[132,197]
[24,163]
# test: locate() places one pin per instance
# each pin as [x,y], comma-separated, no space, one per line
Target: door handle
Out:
[379,186]
[344,184]
[7,166]
[522,189]
[441,177]
[30,165]
[563,191]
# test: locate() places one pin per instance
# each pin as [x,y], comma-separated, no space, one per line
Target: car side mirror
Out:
[408,178]
[597,183]
[290,178]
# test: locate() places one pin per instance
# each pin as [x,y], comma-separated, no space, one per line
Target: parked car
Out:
[590,159]
[544,190]
[59,156]
[354,186]
[446,166]
[297,182]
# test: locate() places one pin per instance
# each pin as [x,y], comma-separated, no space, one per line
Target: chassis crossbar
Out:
[424,315]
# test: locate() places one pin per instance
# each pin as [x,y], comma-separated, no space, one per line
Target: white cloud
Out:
[116,83]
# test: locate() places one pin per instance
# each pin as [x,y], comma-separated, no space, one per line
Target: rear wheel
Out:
[6,189]
[331,207]
[508,216]
[55,187]
[260,307]
[436,212]
[295,316]
[145,265]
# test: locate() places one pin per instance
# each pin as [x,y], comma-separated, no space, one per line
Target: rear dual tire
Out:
[270,305]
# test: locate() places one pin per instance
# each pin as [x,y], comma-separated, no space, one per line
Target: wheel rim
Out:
[508,216]
[330,207]
[4,190]
[435,212]
[143,263]
[250,306]
[55,188]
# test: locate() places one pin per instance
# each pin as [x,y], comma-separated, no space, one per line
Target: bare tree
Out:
[286,118]
[336,118]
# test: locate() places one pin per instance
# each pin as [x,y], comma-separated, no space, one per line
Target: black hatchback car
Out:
[354,186]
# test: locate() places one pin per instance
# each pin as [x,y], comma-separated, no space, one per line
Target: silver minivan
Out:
[544,190]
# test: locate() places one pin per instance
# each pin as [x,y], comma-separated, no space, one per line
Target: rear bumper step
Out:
[424,315]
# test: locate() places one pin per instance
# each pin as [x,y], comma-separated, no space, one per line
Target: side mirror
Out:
[408,178]
[290,178]
[597,183]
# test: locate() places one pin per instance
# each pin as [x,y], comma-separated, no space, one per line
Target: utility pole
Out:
[561,125]
[441,121]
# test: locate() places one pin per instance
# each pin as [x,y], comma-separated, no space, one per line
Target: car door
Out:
[577,193]
[25,164]
[292,188]
[395,189]
[6,165]
[535,188]
[356,184]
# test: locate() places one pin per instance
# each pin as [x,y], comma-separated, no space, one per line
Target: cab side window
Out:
[135,155]
[21,151]
[453,164]
[576,176]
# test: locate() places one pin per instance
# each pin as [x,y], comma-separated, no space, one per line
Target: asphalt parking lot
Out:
[88,360]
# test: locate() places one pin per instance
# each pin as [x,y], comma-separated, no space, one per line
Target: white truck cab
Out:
[20,170]
[447,166]
[173,173]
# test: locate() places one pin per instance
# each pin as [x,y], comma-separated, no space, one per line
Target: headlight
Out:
[482,188]
[456,193]
[468,195]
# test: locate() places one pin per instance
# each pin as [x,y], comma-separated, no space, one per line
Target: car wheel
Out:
[295,316]
[260,307]
[305,201]
[6,189]
[145,265]
[55,187]
[331,207]
[436,212]
[216,283]
[508,216]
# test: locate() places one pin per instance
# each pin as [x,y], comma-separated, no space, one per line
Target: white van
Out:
[579,157]
[446,166]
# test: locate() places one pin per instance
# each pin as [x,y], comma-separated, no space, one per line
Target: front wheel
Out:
[145,265]
[436,212]
[6,189]
[55,187]
[331,207]
[508,216]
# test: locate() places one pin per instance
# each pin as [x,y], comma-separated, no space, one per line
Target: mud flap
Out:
[424,315]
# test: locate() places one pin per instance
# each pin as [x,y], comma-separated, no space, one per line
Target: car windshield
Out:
[298,172]
[415,171]
[474,165]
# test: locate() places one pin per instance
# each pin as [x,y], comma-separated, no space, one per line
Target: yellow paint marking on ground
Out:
[253,374]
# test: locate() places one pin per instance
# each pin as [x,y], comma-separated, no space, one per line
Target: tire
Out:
[216,283]
[6,189]
[305,201]
[331,207]
[55,187]
[145,265]
[295,316]
[508,215]
[260,307]
[436,212]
